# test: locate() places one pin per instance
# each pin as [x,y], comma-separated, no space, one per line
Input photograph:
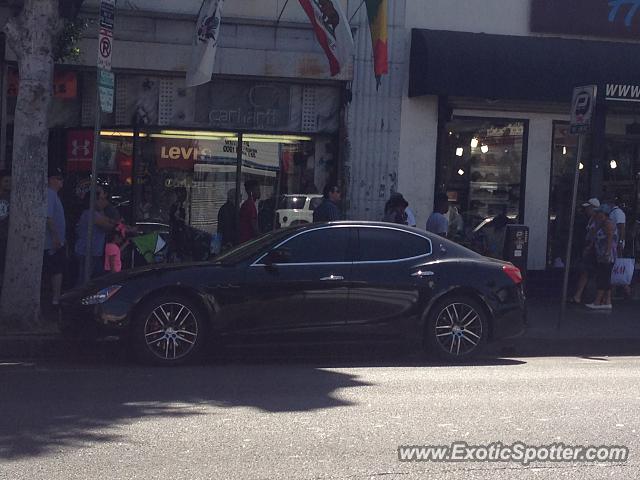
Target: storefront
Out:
[503,144]
[163,138]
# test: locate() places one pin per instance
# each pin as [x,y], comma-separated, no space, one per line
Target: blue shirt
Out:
[438,224]
[99,236]
[327,211]
[55,212]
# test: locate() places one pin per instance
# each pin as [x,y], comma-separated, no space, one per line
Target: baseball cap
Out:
[592,202]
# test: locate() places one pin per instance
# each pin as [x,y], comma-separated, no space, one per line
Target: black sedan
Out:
[320,282]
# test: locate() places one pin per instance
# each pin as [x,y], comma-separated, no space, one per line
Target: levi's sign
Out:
[622,93]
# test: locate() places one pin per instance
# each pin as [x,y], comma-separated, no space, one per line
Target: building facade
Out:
[475,105]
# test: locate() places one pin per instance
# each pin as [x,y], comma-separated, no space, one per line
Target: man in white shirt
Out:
[438,221]
[618,217]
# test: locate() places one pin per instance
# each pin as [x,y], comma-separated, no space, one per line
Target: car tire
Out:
[456,329]
[169,330]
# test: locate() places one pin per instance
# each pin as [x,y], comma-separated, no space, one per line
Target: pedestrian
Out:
[328,210]
[248,226]
[438,221]
[100,224]
[5,201]
[493,236]
[589,261]
[228,221]
[266,214]
[606,240]
[55,245]
[146,210]
[178,232]
[113,251]
[619,219]
[395,210]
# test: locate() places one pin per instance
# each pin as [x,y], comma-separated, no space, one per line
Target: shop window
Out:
[562,178]
[480,168]
[159,177]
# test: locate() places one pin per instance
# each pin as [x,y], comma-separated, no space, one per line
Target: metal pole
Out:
[3,118]
[92,191]
[574,201]
[238,183]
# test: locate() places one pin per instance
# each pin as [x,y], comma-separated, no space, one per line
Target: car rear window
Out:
[385,244]
[294,202]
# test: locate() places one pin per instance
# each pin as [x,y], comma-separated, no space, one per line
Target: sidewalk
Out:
[583,332]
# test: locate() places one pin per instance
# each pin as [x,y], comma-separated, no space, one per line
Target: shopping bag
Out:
[623,271]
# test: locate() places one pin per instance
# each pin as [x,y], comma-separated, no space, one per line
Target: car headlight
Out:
[101,296]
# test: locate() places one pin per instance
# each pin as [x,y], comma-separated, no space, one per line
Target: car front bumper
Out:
[110,319]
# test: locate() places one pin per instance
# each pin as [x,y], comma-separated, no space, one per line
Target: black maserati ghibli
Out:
[320,282]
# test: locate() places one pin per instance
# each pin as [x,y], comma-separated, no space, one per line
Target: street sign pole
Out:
[582,109]
[574,201]
[104,103]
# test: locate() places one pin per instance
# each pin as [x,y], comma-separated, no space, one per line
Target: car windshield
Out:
[252,248]
[291,202]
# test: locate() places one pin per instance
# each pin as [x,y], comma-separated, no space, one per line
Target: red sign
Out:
[79,150]
[65,84]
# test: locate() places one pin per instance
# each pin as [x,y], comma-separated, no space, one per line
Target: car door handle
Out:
[423,274]
[332,278]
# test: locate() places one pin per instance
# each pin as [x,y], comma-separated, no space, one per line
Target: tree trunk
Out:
[31,37]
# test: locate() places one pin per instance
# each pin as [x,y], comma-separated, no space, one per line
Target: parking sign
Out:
[582,107]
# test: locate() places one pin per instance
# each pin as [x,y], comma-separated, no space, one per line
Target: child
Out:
[112,252]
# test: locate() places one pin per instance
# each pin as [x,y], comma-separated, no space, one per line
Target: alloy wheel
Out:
[171,331]
[458,329]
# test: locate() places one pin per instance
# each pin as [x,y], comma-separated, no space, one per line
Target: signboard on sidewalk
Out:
[106,79]
[106,83]
[105,36]
[582,107]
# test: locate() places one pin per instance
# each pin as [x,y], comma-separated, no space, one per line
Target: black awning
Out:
[515,67]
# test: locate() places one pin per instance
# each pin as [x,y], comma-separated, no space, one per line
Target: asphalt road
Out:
[310,419]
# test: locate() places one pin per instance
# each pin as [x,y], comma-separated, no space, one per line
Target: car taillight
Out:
[513,273]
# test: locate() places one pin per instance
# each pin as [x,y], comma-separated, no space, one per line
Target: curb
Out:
[51,346]
[35,346]
[564,346]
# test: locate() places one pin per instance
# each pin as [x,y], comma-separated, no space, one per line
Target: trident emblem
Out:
[615,8]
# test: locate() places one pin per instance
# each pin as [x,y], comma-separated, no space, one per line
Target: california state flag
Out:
[332,31]
[205,43]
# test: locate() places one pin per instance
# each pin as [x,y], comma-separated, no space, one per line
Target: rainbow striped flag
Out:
[377,12]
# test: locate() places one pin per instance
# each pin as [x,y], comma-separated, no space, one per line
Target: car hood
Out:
[135,274]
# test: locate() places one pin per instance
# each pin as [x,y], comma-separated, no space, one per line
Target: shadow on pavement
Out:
[71,406]
[93,399]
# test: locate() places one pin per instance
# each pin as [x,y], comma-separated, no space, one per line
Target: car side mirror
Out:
[278,255]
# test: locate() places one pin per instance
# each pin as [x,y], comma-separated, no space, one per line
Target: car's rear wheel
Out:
[169,330]
[456,329]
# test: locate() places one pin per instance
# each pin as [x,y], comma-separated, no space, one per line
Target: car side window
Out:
[383,244]
[326,245]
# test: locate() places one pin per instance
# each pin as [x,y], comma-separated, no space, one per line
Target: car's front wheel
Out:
[456,329]
[169,330]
